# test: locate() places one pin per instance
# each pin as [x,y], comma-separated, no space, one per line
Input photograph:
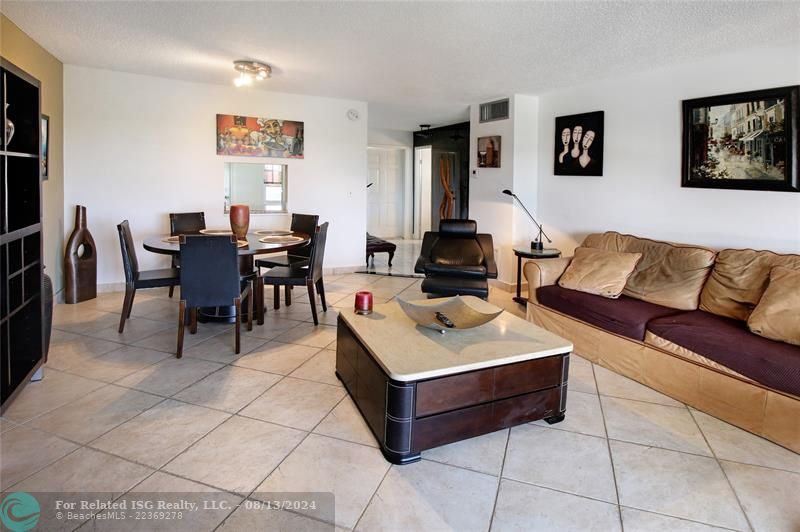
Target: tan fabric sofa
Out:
[661,332]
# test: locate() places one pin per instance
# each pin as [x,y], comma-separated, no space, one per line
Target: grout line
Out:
[724,473]
[374,493]
[41,414]
[677,517]
[308,433]
[85,444]
[37,471]
[465,468]
[500,479]
[651,446]
[153,472]
[610,453]
[551,488]
[678,406]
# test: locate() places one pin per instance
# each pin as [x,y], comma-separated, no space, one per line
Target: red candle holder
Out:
[363,304]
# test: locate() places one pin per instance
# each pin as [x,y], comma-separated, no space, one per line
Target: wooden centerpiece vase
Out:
[240,221]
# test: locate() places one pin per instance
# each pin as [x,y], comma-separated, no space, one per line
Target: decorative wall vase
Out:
[240,221]
[9,128]
[80,261]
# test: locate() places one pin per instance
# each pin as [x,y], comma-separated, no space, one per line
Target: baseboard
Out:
[110,287]
[506,286]
[341,270]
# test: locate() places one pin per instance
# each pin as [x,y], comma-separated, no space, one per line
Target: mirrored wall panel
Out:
[262,187]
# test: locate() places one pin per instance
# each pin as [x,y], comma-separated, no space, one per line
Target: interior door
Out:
[385,198]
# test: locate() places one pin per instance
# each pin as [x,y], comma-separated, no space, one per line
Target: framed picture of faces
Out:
[579,144]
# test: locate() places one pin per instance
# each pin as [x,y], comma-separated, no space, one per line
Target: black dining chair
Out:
[303,223]
[309,275]
[210,277]
[184,223]
[135,279]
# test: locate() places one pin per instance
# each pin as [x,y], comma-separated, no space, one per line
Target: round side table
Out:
[530,254]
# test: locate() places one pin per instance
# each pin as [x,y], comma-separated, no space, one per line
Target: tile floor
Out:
[405,257]
[118,413]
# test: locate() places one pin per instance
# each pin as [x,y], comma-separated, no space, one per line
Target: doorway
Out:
[391,207]
[386,192]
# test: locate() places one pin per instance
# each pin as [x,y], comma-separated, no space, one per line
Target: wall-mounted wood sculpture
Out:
[445,176]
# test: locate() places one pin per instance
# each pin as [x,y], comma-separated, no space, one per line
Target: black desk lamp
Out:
[536,244]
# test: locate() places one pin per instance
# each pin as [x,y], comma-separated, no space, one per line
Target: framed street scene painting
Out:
[251,136]
[579,144]
[747,140]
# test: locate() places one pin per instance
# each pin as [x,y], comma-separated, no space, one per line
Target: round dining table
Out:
[165,246]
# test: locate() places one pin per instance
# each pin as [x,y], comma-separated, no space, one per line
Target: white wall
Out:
[487,204]
[140,147]
[640,190]
[526,169]
[495,212]
[390,137]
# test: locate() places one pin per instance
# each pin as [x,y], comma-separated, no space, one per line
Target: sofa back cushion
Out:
[777,315]
[739,279]
[671,275]
[599,271]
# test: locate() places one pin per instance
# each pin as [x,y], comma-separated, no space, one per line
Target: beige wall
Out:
[24,52]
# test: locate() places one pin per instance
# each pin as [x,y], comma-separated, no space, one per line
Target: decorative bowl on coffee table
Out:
[450,313]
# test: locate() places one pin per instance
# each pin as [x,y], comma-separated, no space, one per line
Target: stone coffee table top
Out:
[409,352]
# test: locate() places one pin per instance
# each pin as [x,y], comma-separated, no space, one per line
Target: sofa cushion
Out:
[729,342]
[739,279]
[625,316]
[671,275]
[599,271]
[777,315]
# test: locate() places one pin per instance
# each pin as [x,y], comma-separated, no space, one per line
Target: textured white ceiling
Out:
[412,61]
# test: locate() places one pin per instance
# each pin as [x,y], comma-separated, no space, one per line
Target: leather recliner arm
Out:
[428,240]
[543,272]
[487,245]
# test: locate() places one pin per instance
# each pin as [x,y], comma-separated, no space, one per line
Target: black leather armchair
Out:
[457,260]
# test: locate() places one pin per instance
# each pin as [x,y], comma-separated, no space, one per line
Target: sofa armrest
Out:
[544,272]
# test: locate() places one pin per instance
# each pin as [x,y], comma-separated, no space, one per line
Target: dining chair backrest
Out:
[304,223]
[129,262]
[318,253]
[186,223]
[209,270]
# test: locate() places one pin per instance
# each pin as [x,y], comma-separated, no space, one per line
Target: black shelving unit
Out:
[21,301]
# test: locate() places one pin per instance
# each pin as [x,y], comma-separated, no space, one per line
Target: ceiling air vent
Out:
[494,111]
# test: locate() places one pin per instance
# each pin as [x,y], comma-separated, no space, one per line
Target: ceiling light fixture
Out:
[250,70]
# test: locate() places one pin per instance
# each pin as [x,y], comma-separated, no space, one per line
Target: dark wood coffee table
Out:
[417,388]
